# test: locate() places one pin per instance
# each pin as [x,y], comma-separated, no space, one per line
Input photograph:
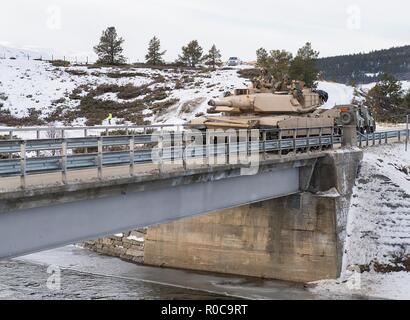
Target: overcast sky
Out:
[237,27]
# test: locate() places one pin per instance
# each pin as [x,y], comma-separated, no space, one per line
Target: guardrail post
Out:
[332,138]
[85,136]
[38,138]
[10,138]
[132,156]
[160,150]
[107,132]
[374,139]
[407,133]
[100,157]
[386,138]
[227,149]
[295,136]
[264,135]
[23,162]
[183,147]
[308,140]
[64,161]
[280,143]
[399,132]
[63,133]
[320,138]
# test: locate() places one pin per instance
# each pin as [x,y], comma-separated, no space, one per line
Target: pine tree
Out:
[303,66]
[109,50]
[191,54]
[276,63]
[279,64]
[154,55]
[386,99]
[406,100]
[262,58]
[213,58]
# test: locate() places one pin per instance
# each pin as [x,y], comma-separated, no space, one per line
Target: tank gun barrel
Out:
[220,103]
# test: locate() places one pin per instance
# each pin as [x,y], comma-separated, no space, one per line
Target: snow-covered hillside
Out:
[27,85]
[46,93]
[378,232]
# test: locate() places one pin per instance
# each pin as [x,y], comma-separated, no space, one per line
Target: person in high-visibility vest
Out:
[109,118]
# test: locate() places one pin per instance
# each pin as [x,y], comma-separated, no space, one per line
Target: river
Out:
[83,274]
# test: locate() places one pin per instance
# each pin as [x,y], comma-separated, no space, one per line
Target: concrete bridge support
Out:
[298,237]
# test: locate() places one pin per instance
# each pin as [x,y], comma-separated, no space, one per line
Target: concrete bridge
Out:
[296,209]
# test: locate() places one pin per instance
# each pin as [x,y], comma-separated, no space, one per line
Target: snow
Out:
[338,93]
[26,83]
[332,193]
[37,84]
[379,225]
[134,238]
[394,286]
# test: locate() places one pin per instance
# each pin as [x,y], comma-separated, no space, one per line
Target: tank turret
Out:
[293,102]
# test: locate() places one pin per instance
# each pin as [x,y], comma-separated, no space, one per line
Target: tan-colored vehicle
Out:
[276,112]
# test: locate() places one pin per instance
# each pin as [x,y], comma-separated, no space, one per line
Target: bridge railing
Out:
[81,132]
[159,146]
[372,139]
[23,157]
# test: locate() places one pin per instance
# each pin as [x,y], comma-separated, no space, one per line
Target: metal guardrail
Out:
[380,137]
[26,157]
[62,132]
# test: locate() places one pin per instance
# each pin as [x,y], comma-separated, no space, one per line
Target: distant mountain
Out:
[367,67]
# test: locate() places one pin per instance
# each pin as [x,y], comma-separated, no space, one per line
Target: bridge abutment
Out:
[297,238]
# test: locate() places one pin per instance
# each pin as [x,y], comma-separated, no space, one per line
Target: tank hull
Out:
[289,126]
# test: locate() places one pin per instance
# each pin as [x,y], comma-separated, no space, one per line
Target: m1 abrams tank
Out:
[274,111]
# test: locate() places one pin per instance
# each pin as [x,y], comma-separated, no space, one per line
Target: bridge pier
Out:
[298,237]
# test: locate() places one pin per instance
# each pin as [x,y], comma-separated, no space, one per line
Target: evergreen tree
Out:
[154,55]
[191,54]
[303,66]
[367,67]
[276,63]
[279,64]
[389,88]
[386,99]
[406,100]
[109,50]
[213,58]
[262,58]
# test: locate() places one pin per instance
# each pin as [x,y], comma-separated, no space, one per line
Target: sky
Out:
[236,27]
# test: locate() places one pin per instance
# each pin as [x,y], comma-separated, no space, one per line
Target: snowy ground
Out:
[26,83]
[378,232]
